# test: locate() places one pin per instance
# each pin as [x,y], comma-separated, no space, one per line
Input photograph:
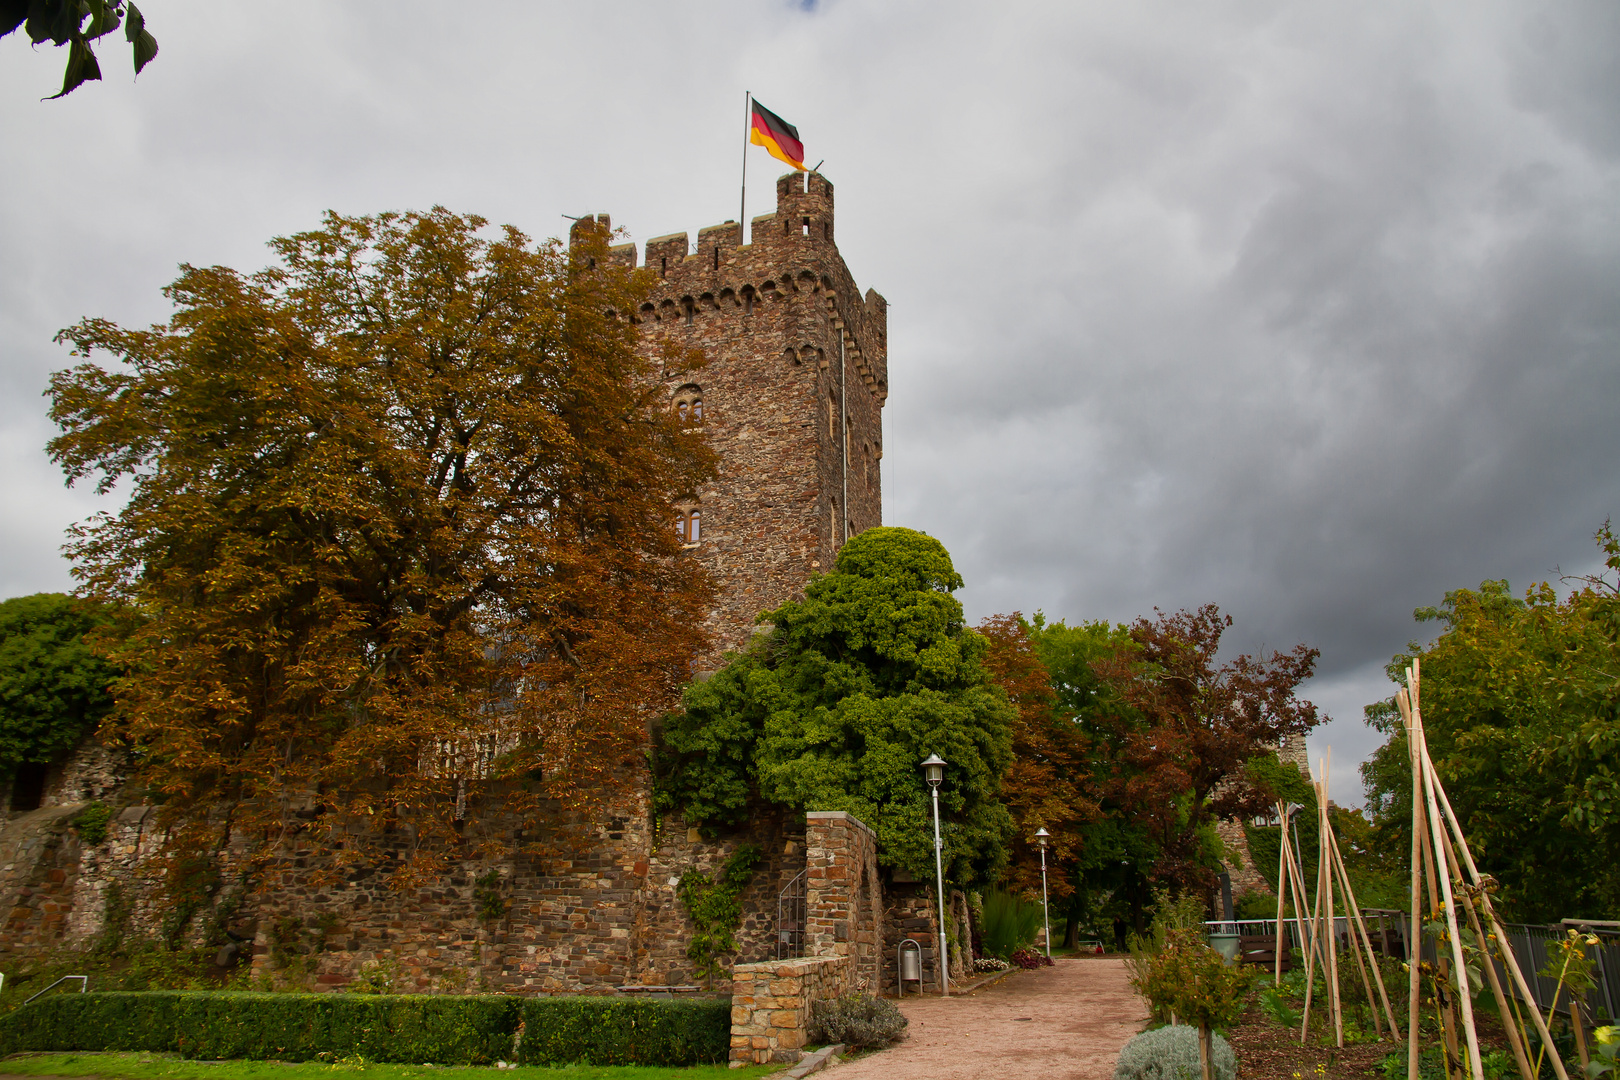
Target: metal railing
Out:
[1533,946]
[790,914]
[84,984]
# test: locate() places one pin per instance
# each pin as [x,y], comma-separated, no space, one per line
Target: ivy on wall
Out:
[715,907]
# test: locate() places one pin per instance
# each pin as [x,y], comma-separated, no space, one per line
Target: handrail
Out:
[84,984]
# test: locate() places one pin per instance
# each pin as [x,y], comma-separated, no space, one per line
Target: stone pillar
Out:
[770,1005]
[843,896]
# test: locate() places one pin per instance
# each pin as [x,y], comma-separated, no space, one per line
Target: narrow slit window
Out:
[807,226]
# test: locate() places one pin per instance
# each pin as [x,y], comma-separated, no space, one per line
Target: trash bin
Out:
[1226,945]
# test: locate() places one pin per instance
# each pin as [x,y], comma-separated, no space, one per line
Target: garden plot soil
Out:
[1065,1022]
[1268,1051]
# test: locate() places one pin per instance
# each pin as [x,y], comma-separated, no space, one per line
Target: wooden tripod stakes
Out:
[1318,934]
[1435,862]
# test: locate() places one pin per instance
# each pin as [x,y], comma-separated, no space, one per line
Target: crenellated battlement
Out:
[792,259]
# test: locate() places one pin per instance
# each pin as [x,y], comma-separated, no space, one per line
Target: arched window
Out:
[687,525]
[688,404]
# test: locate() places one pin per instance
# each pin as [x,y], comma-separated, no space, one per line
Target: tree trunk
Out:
[1204,1057]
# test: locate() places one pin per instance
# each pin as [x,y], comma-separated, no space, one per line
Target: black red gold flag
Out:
[776,135]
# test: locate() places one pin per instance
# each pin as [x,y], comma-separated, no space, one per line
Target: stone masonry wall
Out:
[663,927]
[844,895]
[770,1005]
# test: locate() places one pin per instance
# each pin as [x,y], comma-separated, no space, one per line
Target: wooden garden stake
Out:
[1297,876]
[1282,889]
[1519,983]
[1413,951]
[1366,940]
[1520,1058]
[1464,998]
[1310,969]
[1324,885]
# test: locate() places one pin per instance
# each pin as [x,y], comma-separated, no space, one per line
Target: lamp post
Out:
[1046,914]
[934,769]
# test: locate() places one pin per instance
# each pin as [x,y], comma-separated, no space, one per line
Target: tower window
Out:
[807,226]
[748,300]
[688,404]
[687,526]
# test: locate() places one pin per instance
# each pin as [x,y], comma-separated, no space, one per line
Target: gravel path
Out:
[1065,1022]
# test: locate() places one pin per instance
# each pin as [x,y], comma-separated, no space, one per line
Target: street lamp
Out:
[1046,915]
[934,770]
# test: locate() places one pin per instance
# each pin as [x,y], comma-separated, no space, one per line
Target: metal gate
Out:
[790,919]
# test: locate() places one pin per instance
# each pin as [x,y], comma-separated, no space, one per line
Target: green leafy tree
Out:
[833,710]
[77,24]
[397,525]
[1194,983]
[1521,709]
[54,689]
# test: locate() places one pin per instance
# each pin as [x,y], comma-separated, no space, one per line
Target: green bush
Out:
[857,1021]
[1171,1053]
[287,1027]
[1008,923]
[406,1028]
[91,823]
[562,1030]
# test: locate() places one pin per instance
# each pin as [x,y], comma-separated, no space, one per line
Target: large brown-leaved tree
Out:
[397,532]
[1189,726]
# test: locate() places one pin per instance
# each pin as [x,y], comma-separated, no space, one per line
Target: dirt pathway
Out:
[1065,1022]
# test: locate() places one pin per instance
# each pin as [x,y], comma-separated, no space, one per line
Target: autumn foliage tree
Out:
[1187,725]
[397,529]
[1049,782]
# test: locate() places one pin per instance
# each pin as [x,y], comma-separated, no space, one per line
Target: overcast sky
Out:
[1309,310]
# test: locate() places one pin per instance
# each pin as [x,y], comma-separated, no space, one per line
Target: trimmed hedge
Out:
[409,1029]
[613,1031]
[286,1027]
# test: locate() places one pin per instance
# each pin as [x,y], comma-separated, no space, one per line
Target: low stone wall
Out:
[770,1005]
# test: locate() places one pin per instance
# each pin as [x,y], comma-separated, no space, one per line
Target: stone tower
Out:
[792,396]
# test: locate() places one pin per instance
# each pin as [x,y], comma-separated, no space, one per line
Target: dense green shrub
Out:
[411,1028]
[1171,1053]
[288,1027]
[857,1021]
[1008,922]
[614,1031]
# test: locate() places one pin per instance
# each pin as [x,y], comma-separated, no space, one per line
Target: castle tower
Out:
[791,395]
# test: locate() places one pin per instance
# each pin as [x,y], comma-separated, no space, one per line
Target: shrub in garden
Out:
[857,1021]
[1008,923]
[410,1028]
[1172,1053]
[990,963]
[564,1029]
[288,1027]
[1029,959]
[1194,983]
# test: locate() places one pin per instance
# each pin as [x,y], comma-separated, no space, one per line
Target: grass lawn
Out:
[170,1067]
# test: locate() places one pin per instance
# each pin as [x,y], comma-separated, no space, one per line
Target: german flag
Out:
[777,136]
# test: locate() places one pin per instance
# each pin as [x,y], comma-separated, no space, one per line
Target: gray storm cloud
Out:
[1307,310]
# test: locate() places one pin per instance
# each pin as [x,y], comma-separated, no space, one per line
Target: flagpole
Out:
[742,207]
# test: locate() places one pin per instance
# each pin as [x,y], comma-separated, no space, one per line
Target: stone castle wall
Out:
[793,388]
